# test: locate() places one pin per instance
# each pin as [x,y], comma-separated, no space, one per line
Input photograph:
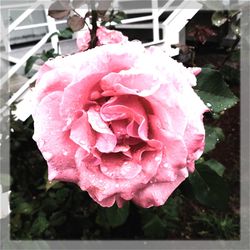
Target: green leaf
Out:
[233,13]
[231,74]
[113,216]
[235,27]
[213,90]
[29,64]
[215,166]
[120,15]
[51,184]
[49,204]
[61,195]
[213,136]
[155,227]
[66,33]
[57,218]
[171,208]
[219,18]
[24,208]
[209,188]
[39,225]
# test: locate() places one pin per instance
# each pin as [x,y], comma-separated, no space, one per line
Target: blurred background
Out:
[207,204]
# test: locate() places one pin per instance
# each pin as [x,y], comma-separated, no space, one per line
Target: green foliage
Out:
[215,166]
[112,217]
[227,17]
[113,17]
[44,56]
[213,136]
[66,33]
[219,18]
[40,225]
[230,70]
[213,90]
[29,64]
[221,225]
[162,221]
[209,188]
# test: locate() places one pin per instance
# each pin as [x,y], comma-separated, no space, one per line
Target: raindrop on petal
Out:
[158,158]
[65,153]
[47,156]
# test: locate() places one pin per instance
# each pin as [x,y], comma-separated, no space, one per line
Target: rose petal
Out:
[50,81]
[90,68]
[106,36]
[156,194]
[105,139]
[132,81]
[123,107]
[83,39]
[118,167]
[119,127]
[54,144]
[175,151]
[102,187]
[82,134]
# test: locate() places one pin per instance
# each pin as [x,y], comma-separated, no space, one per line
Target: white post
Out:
[177,21]
[22,60]
[155,14]
[24,15]
[4,37]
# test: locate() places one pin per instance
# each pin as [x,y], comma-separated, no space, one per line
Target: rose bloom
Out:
[122,122]
[104,35]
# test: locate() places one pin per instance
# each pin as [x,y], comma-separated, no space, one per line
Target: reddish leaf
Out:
[75,22]
[59,9]
[202,33]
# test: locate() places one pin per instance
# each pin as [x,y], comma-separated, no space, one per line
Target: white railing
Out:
[172,26]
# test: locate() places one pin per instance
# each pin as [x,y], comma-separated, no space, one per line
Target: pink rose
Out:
[120,121]
[104,35]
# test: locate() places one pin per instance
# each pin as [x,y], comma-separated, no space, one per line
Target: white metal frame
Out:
[172,25]
[51,24]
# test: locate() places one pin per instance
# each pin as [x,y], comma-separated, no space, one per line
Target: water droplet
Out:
[65,152]
[104,169]
[12,130]
[209,105]
[166,165]
[217,139]
[82,143]
[69,121]
[157,158]
[47,155]
[172,176]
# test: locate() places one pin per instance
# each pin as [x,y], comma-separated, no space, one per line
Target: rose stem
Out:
[94,38]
